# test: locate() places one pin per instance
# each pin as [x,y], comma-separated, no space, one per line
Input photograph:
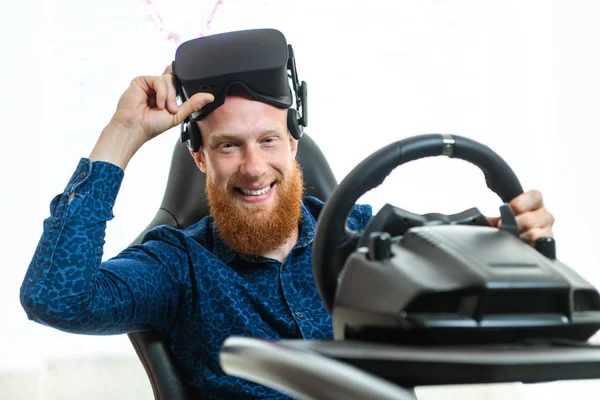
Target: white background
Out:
[520,76]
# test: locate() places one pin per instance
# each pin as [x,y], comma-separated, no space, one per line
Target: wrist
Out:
[117,144]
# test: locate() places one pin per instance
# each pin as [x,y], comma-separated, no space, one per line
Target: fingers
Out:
[534,225]
[528,201]
[159,86]
[532,217]
[532,235]
[168,70]
[493,221]
[165,92]
[171,93]
[539,218]
[194,103]
[533,220]
[160,95]
[169,79]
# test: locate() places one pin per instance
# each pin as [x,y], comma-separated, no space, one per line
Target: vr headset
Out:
[258,60]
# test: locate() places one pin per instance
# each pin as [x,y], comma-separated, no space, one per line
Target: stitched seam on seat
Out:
[148,367]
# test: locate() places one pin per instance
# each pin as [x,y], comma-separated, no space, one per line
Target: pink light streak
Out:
[160,25]
[212,15]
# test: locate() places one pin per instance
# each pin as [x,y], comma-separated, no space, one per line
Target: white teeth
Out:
[255,192]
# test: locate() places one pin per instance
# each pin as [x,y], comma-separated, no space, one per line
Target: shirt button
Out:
[82,175]
[283,267]
[299,315]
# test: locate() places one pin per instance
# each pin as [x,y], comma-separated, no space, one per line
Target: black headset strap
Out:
[299,89]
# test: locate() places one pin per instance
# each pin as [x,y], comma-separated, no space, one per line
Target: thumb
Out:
[193,104]
[494,221]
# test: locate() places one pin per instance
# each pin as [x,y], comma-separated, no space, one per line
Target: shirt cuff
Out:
[99,179]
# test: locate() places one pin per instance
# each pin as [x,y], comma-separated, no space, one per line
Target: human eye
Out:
[270,141]
[227,146]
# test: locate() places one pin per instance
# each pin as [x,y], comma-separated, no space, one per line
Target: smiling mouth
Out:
[258,192]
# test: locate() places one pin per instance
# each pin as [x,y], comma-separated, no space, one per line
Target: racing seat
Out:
[184,204]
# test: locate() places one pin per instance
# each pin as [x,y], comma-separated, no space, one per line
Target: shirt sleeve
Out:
[68,287]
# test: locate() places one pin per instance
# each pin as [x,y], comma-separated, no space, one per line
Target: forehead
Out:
[240,115]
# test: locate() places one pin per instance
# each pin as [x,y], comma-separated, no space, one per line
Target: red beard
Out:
[256,229]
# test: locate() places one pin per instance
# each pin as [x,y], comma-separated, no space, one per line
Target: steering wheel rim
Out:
[333,239]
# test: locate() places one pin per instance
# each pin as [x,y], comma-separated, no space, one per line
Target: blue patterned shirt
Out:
[187,283]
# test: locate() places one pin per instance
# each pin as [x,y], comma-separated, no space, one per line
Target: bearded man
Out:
[243,270]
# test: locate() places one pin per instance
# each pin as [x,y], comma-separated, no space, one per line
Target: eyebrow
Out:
[224,135]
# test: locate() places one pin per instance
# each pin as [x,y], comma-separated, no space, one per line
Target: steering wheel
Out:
[334,241]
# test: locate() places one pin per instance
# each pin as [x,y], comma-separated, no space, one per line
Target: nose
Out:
[253,164]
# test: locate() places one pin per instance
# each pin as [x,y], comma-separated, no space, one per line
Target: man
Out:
[244,270]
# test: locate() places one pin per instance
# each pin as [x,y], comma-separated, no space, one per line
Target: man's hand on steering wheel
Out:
[533,219]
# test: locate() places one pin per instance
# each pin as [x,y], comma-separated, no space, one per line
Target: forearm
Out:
[68,287]
[58,286]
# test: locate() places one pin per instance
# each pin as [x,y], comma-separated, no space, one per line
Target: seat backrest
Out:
[183,204]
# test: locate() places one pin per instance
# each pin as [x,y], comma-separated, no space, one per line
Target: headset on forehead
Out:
[259,60]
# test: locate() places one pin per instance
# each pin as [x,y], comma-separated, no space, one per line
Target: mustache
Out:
[238,180]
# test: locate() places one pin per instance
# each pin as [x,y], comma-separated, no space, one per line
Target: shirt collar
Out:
[226,254]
